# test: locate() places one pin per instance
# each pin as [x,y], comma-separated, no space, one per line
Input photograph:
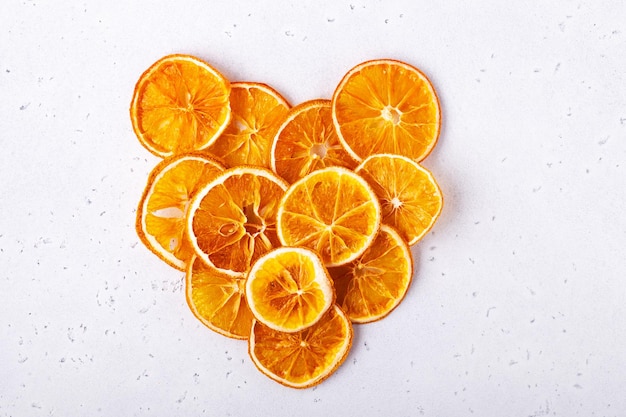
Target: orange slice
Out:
[232,220]
[332,211]
[302,359]
[288,289]
[372,286]
[217,300]
[307,141]
[386,106]
[162,211]
[410,198]
[180,104]
[257,112]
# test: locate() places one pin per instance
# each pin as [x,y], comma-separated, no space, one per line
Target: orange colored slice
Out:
[162,211]
[289,289]
[410,198]
[302,359]
[332,211]
[369,288]
[257,112]
[307,141]
[232,220]
[386,106]
[217,300]
[180,104]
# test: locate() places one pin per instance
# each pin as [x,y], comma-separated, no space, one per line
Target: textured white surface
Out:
[517,307]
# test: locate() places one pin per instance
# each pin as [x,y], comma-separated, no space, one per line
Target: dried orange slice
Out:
[307,141]
[332,211]
[302,359]
[386,106]
[372,286]
[289,289]
[217,300]
[410,198]
[232,220]
[257,112]
[180,104]
[162,211]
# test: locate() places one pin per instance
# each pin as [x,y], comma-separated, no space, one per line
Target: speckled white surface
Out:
[517,307]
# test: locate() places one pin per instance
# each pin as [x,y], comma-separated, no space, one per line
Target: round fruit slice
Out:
[232,220]
[180,104]
[410,198]
[305,358]
[162,211]
[289,289]
[217,300]
[332,211]
[257,112]
[372,286]
[386,106]
[307,141]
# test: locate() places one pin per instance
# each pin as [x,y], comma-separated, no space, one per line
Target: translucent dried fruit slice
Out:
[289,289]
[218,300]
[232,220]
[332,211]
[257,112]
[307,141]
[372,286]
[410,198]
[180,104]
[386,106]
[162,211]
[302,359]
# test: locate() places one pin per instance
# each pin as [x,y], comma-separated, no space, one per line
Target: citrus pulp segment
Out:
[370,287]
[257,112]
[332,211]
[307,141]
[161,214]
[180,104]
[302,359]
[217,300]
[232,220]
[410,198]
[386,106]
[289,289]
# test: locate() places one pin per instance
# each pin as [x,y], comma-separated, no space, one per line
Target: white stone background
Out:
[517,306]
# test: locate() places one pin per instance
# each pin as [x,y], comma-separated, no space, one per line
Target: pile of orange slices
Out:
[291,223]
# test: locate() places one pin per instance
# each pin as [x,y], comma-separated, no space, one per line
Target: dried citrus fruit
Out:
[305,358]
[162,211]
[180,104]
[232,220]
[410,198]
[386,106]
[289,289]
[332,211]
[372,286]
[307,141]
[217,300]
[257,112]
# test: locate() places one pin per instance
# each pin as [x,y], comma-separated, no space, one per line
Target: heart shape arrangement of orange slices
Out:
[291,223]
